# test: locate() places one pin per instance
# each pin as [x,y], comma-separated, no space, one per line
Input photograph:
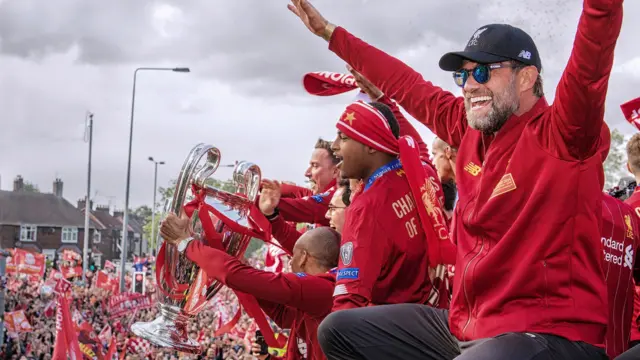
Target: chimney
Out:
[118,213]
[103,208]
[82,202]
[57,187]
[18,184]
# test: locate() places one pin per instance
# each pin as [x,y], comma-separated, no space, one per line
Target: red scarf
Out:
[366,125]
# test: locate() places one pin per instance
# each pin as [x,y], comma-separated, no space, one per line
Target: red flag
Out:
[26,262]
[50,309]
[631,111]
[66,340]
[275,258]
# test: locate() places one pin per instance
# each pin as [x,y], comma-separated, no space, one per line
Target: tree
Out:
[31,187]
[142,212]
[614,165]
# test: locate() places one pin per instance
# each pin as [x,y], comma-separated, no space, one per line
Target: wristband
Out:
[328,31]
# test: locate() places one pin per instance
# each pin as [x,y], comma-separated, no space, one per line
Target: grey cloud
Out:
[258,46]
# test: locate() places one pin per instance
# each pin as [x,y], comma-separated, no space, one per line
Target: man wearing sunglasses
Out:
[529,280]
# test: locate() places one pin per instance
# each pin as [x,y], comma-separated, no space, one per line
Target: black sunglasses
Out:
[481,73]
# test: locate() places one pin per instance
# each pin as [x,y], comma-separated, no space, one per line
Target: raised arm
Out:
[406,128]
[578,109]
[311,209]
[441,111]
[305,210]
[285,233]
[438,109]
[309,294]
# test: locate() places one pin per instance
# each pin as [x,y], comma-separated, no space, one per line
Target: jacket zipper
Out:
[464,282]
[464,274]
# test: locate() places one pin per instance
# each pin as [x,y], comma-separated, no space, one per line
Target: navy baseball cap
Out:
[493,44]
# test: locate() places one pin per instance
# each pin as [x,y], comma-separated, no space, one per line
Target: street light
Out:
[125,222]
[153,210]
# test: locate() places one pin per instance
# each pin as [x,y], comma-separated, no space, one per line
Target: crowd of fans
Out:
[91,302]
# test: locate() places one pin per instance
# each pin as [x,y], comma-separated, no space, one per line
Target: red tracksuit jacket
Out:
[620,240]
[634,202]
[529,206]
[293,301]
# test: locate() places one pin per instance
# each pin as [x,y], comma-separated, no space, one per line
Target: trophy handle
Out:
[190,174]
[247,177]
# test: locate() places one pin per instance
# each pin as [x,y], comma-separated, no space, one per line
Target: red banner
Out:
[631,111]
[106,282]
[16,322]
[71,272]
[120,305]
[70,255]
[25,262]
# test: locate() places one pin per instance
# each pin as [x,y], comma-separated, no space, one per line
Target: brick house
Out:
[105,241]
[137,241]
[41,222]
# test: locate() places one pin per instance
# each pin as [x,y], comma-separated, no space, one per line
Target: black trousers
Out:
[413,331]
[631,354]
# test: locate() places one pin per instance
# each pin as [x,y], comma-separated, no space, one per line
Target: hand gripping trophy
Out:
[228,222]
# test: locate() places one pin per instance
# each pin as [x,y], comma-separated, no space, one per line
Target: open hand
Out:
[311,17]
[269,196]
[365,85]
[174,228]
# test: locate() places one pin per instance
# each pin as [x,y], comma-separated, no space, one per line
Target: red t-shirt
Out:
[620,239]
[383,254]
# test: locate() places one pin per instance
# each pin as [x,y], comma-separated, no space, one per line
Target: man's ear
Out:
[528,77]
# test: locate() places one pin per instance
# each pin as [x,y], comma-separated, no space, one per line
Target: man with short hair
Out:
[530,281]
[301,205]
[338,206]
[297,300]
[387,229]
[633,165]
[444,159]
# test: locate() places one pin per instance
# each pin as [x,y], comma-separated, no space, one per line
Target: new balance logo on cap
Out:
[525,55]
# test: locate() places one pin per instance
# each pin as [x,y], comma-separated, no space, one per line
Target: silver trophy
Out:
[183,288]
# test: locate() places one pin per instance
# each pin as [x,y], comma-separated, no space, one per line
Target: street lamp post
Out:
[153,208]
[125,221]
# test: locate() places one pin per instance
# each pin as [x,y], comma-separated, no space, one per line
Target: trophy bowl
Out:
[183,288]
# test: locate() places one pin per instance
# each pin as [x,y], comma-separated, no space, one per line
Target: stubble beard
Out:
[505,104]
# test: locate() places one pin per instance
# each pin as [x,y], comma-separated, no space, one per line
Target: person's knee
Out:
[332,326]
[631,354]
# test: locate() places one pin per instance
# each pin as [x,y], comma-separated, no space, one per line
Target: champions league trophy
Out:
[183,288]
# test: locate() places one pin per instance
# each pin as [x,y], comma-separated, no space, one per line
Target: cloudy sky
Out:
[62,58]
